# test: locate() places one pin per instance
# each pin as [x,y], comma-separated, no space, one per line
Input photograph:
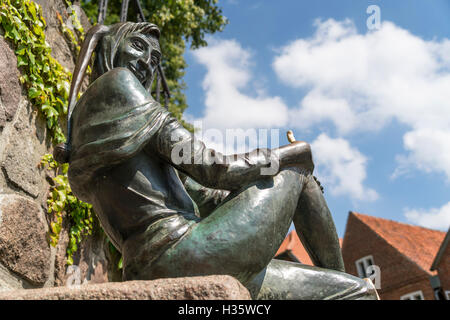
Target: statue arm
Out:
[180,148]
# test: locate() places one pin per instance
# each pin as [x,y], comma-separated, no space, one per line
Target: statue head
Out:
[134,46]
[130,45]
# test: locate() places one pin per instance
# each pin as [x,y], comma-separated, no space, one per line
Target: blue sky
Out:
[374,104]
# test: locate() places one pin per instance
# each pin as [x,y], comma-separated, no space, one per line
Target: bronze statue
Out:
[212,214]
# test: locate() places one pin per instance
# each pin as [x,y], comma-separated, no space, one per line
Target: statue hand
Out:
[318,183]
[297,154]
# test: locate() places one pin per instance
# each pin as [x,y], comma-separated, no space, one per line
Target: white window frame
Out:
[366,264]
[447,294]
[411,295]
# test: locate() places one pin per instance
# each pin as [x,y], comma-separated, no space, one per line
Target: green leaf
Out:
[21,61]
[120,264]
[50,112]
[32,9]
[33,93]
[46,68]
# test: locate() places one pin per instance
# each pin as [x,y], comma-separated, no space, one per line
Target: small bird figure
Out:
[290,136]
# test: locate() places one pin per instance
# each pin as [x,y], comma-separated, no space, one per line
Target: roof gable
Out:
[418,244]
[441,251]
[293,245]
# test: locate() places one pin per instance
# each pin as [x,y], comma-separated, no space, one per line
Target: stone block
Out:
[191,288]
[10,88]
[24,247]
[26,145]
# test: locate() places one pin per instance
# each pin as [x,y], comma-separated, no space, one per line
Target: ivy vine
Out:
[45,80]
[62,200]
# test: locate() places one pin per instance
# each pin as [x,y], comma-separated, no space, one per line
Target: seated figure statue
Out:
[212,214]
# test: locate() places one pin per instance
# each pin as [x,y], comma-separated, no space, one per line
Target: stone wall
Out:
[26,258]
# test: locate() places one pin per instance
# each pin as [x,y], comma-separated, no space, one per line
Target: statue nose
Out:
[144,65]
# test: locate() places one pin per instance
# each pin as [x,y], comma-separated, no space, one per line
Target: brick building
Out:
[405,261]
[403,253]
[441,264]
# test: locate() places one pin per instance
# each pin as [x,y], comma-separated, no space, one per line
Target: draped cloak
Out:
[112,122]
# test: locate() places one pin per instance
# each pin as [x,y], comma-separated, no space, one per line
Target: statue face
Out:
[140,54]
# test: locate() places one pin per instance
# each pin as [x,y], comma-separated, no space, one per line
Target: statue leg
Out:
[315,228]
[239,238]
[293,281]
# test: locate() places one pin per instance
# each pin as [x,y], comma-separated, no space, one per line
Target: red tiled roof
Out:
[293,245]
[418,244]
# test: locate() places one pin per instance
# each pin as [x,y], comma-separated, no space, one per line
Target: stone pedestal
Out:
[192,288]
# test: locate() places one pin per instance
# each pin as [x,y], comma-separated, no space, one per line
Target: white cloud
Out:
[435,218]
[228,74]
[361,82]
[341,168]
[429,151]
[317,108]
[228,106]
